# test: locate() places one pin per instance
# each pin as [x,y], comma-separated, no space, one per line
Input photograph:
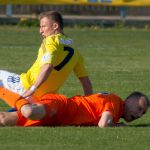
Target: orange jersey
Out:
[78,110]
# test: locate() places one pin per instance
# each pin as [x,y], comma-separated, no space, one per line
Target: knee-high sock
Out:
[12,99]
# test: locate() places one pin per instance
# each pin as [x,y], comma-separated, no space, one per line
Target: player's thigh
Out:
[8,118]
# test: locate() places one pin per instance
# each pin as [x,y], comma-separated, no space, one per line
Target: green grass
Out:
[118,60]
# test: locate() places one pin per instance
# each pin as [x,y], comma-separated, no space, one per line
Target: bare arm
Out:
[106,120]
[86,84]
[43,75]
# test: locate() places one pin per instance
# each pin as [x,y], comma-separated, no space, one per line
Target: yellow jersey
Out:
[58,51]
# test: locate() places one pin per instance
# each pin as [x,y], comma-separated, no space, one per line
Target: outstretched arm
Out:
[106,120]
[43,75]
[86,84]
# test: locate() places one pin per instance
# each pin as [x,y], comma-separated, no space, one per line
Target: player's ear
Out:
[55,26]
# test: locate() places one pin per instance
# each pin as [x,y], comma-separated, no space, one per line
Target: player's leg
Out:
[34,111]
[11,110]
[8,118]
[11,81]
[48,107]
[11,98]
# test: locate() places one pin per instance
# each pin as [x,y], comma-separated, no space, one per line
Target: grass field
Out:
[118,60]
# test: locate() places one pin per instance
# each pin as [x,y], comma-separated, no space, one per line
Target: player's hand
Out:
[27,93]
[30,91]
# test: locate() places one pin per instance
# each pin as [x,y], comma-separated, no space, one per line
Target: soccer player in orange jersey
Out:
[101,109]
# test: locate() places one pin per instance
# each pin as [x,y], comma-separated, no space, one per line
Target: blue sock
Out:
[11,110]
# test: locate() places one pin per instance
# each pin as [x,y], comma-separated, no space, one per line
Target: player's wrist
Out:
[33,88]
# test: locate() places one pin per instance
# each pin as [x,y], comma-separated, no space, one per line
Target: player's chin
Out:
[128,119]
[43,36]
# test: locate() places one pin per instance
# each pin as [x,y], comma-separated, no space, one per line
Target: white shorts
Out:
[11,81]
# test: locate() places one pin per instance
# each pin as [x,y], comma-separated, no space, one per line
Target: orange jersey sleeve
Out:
[106,102]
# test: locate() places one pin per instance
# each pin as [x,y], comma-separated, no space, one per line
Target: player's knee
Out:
[27,111]
[33,111]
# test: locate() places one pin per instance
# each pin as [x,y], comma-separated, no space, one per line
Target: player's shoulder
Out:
[59,39]
[115,98]
[65,40]
[109,95]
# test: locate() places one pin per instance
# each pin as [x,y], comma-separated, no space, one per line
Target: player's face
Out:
[135,111]
[47,27]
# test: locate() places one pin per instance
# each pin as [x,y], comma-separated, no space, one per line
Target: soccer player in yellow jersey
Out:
[55,61]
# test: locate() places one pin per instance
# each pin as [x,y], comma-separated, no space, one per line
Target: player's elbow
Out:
[102,124]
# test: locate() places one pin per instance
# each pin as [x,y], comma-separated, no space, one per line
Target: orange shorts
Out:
[54,106]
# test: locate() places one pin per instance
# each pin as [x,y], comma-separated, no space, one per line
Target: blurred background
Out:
[83,12]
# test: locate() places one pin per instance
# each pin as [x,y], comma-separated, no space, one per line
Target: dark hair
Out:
[138,95]
[53,15]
